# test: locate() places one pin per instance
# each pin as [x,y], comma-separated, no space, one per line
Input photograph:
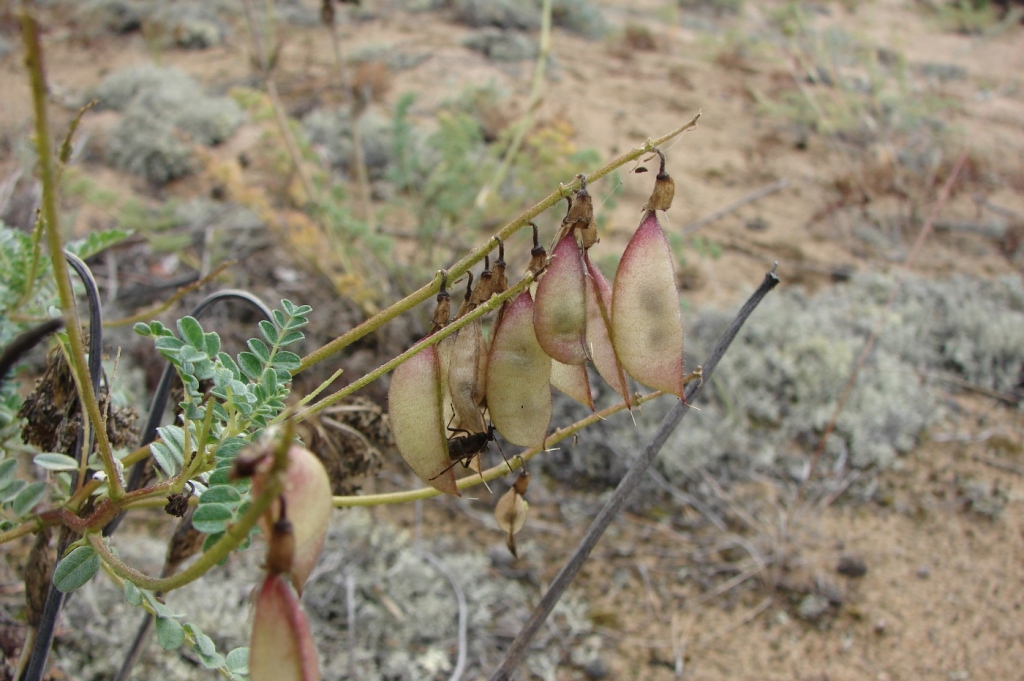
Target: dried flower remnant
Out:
[510,511]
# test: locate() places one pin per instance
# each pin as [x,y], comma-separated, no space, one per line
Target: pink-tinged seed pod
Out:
[467,373]
[415,407]
[281,647]
[560,313]
[518,377]
[599,341]
[573,381]
[308,506]
[647,324]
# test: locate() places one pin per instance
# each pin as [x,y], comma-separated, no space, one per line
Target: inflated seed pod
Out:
[647,325]
[599,341]
[572,380]
[467,373]
[560,312]
[417,421]
[281,647]
[307,501]
[518,377]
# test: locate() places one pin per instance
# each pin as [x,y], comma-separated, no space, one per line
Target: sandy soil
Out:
[944,584]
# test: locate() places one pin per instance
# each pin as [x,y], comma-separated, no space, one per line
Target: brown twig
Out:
[735,205]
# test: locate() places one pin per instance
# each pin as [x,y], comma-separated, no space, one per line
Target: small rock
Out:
[851,565]
[812,607]
[924,572]
[880,627]
[595,669]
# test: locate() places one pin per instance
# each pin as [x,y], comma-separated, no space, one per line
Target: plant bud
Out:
[647,325]
[281,647]
[308,504]
[560,314]
[467,305]
[518,377]
[415,405]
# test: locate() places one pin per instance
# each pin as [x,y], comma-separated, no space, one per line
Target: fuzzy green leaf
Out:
[287,360]
[250,364]
[76,568]
[269,332]
[192,332]
[132,593]
[237,660]
[54,461]
[27,498]
[7,469]
[169,633]
[211,518]
[11,490]
[260,349]
[211,343]
[220,494]
[290,337]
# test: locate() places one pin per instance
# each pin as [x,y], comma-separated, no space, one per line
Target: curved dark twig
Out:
[43,640]
[24,342]
[156,413]
[516,651]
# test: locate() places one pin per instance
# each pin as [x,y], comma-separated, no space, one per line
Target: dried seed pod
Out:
[647,325]
[281,647]
[510,511]
[664,189]
[467,375]
[518,377]
[573,381]
[599,341]
[560,314]
[306,504]
[416,419]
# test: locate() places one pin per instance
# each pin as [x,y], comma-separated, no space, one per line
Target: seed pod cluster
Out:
[446,401]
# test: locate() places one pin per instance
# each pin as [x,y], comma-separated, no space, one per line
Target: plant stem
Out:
[433,339]
[477,254]
[233,537]
[34,62]
[497,471]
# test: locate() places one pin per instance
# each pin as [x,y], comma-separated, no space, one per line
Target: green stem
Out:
[433,339]
[72,326]
[231,540]
[477,254]
[497,471]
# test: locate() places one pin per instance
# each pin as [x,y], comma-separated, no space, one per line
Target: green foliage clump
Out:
[578,16]
[164,109]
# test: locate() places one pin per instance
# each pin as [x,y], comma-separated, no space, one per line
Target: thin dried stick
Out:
[636,472]
[460,597]
[926,229]
[735,205]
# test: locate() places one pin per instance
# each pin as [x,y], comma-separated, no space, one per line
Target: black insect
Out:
[463,448]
